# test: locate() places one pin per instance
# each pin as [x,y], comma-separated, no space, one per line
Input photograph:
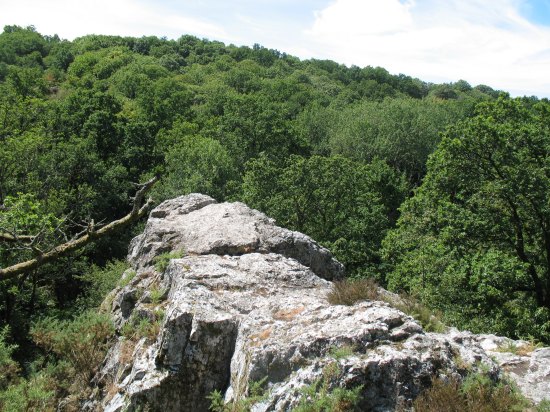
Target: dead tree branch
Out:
[88,236]
[12,238]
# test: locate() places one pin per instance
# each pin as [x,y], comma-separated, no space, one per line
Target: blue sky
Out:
[537,11]
[502,43]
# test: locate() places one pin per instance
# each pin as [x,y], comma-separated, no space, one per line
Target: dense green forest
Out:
[441,191]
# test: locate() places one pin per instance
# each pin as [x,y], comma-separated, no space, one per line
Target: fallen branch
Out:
[91,235]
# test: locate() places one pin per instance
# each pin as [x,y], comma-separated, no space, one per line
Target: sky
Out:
[504,44]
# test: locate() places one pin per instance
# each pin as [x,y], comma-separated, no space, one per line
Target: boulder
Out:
[246,304]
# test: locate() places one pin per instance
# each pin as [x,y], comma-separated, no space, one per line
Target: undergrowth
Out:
[256,393]
[477,393]
[82,341]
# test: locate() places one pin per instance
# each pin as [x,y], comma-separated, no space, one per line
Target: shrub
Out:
[477,393]
[8,367]
[348,292]
[82,341]
[102,280]
[35,394]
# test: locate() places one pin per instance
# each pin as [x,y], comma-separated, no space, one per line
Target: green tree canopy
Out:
[347,206]
[475,239]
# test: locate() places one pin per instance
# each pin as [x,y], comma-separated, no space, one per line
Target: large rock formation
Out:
[246,301]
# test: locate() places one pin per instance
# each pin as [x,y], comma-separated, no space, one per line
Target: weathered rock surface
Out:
[527,366]
[196,225]
[248,302]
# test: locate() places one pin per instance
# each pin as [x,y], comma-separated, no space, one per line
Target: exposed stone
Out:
[526,365]
[195,224]
[248,302]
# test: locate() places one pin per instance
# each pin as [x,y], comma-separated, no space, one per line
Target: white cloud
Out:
[480,41]
[476,40]
[71,19]
[351,17]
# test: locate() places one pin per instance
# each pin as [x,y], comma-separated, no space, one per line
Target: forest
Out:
[437,191]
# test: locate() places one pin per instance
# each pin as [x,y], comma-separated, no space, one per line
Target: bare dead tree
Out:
[89,234]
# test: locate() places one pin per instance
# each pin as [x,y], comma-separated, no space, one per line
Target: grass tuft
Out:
[161,261]
[341,352]
[348,292]
[430,320]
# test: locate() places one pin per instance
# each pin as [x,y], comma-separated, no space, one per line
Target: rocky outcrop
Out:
[247,302]
[197,225]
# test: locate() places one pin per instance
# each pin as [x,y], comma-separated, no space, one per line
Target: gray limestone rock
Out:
[248,303]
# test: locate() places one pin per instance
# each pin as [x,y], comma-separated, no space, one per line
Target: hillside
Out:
[438,191]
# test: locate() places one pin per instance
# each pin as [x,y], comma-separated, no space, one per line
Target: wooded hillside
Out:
[441,191]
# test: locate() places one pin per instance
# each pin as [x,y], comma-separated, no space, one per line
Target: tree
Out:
[401,131]
[346,206]
[476,236]
[194,164]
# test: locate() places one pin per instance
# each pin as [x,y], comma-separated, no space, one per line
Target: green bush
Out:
[35,394]
[100,281]
[82,341]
